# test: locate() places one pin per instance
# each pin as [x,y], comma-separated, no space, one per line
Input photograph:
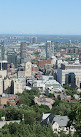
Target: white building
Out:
[68,68]
[47,82]
[21,74]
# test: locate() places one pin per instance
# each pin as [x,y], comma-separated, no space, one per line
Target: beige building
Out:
[53,61]
[43,100]
[3,100]
[7,83]
[19,85]
[1,85]
[28,69]
[3,73]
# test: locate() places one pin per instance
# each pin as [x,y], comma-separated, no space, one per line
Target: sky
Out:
[40,17]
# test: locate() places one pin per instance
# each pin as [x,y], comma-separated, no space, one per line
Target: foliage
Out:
[25,130]
[70,91]
[31,127]
[61,108]
[75,117]
[11,113]
[51,95]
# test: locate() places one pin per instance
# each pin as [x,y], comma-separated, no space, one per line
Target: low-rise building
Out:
[12,99]
[41,63]
[43,100]
[57,122]
[35,68]
[47,82]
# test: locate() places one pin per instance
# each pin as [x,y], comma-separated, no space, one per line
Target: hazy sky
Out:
[40,16]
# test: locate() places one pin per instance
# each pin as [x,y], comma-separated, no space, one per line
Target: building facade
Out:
[2,50]
[12,58]
[49,49]
[34,40]
[28,69]
[42,63]
[18,85]
[69,68]
[23,52]
[3,65]
[1,85]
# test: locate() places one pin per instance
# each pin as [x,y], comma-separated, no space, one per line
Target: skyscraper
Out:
[23,52]
[34,40]
[49,49]
[12,57]
[28,69]
[3,65]
[2,50]
[80,57]
[70,79]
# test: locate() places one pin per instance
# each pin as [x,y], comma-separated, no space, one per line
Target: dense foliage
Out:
[70,91]
[31,127]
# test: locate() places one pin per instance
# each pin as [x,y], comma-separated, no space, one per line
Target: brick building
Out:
[13,100]
[42,63]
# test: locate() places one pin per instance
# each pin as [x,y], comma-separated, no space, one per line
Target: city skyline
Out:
[40,17]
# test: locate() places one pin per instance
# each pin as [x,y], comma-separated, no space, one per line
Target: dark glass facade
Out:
[12,58]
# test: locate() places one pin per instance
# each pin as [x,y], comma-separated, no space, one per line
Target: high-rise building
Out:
[34,40]
[73,71]
[3,68]
[18,85]
[2,50]
[3,65]
[49,49]
[7,86]
[80,57]
[23,52]
[28,69]
[1,85]
[70,79]
[12,57]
